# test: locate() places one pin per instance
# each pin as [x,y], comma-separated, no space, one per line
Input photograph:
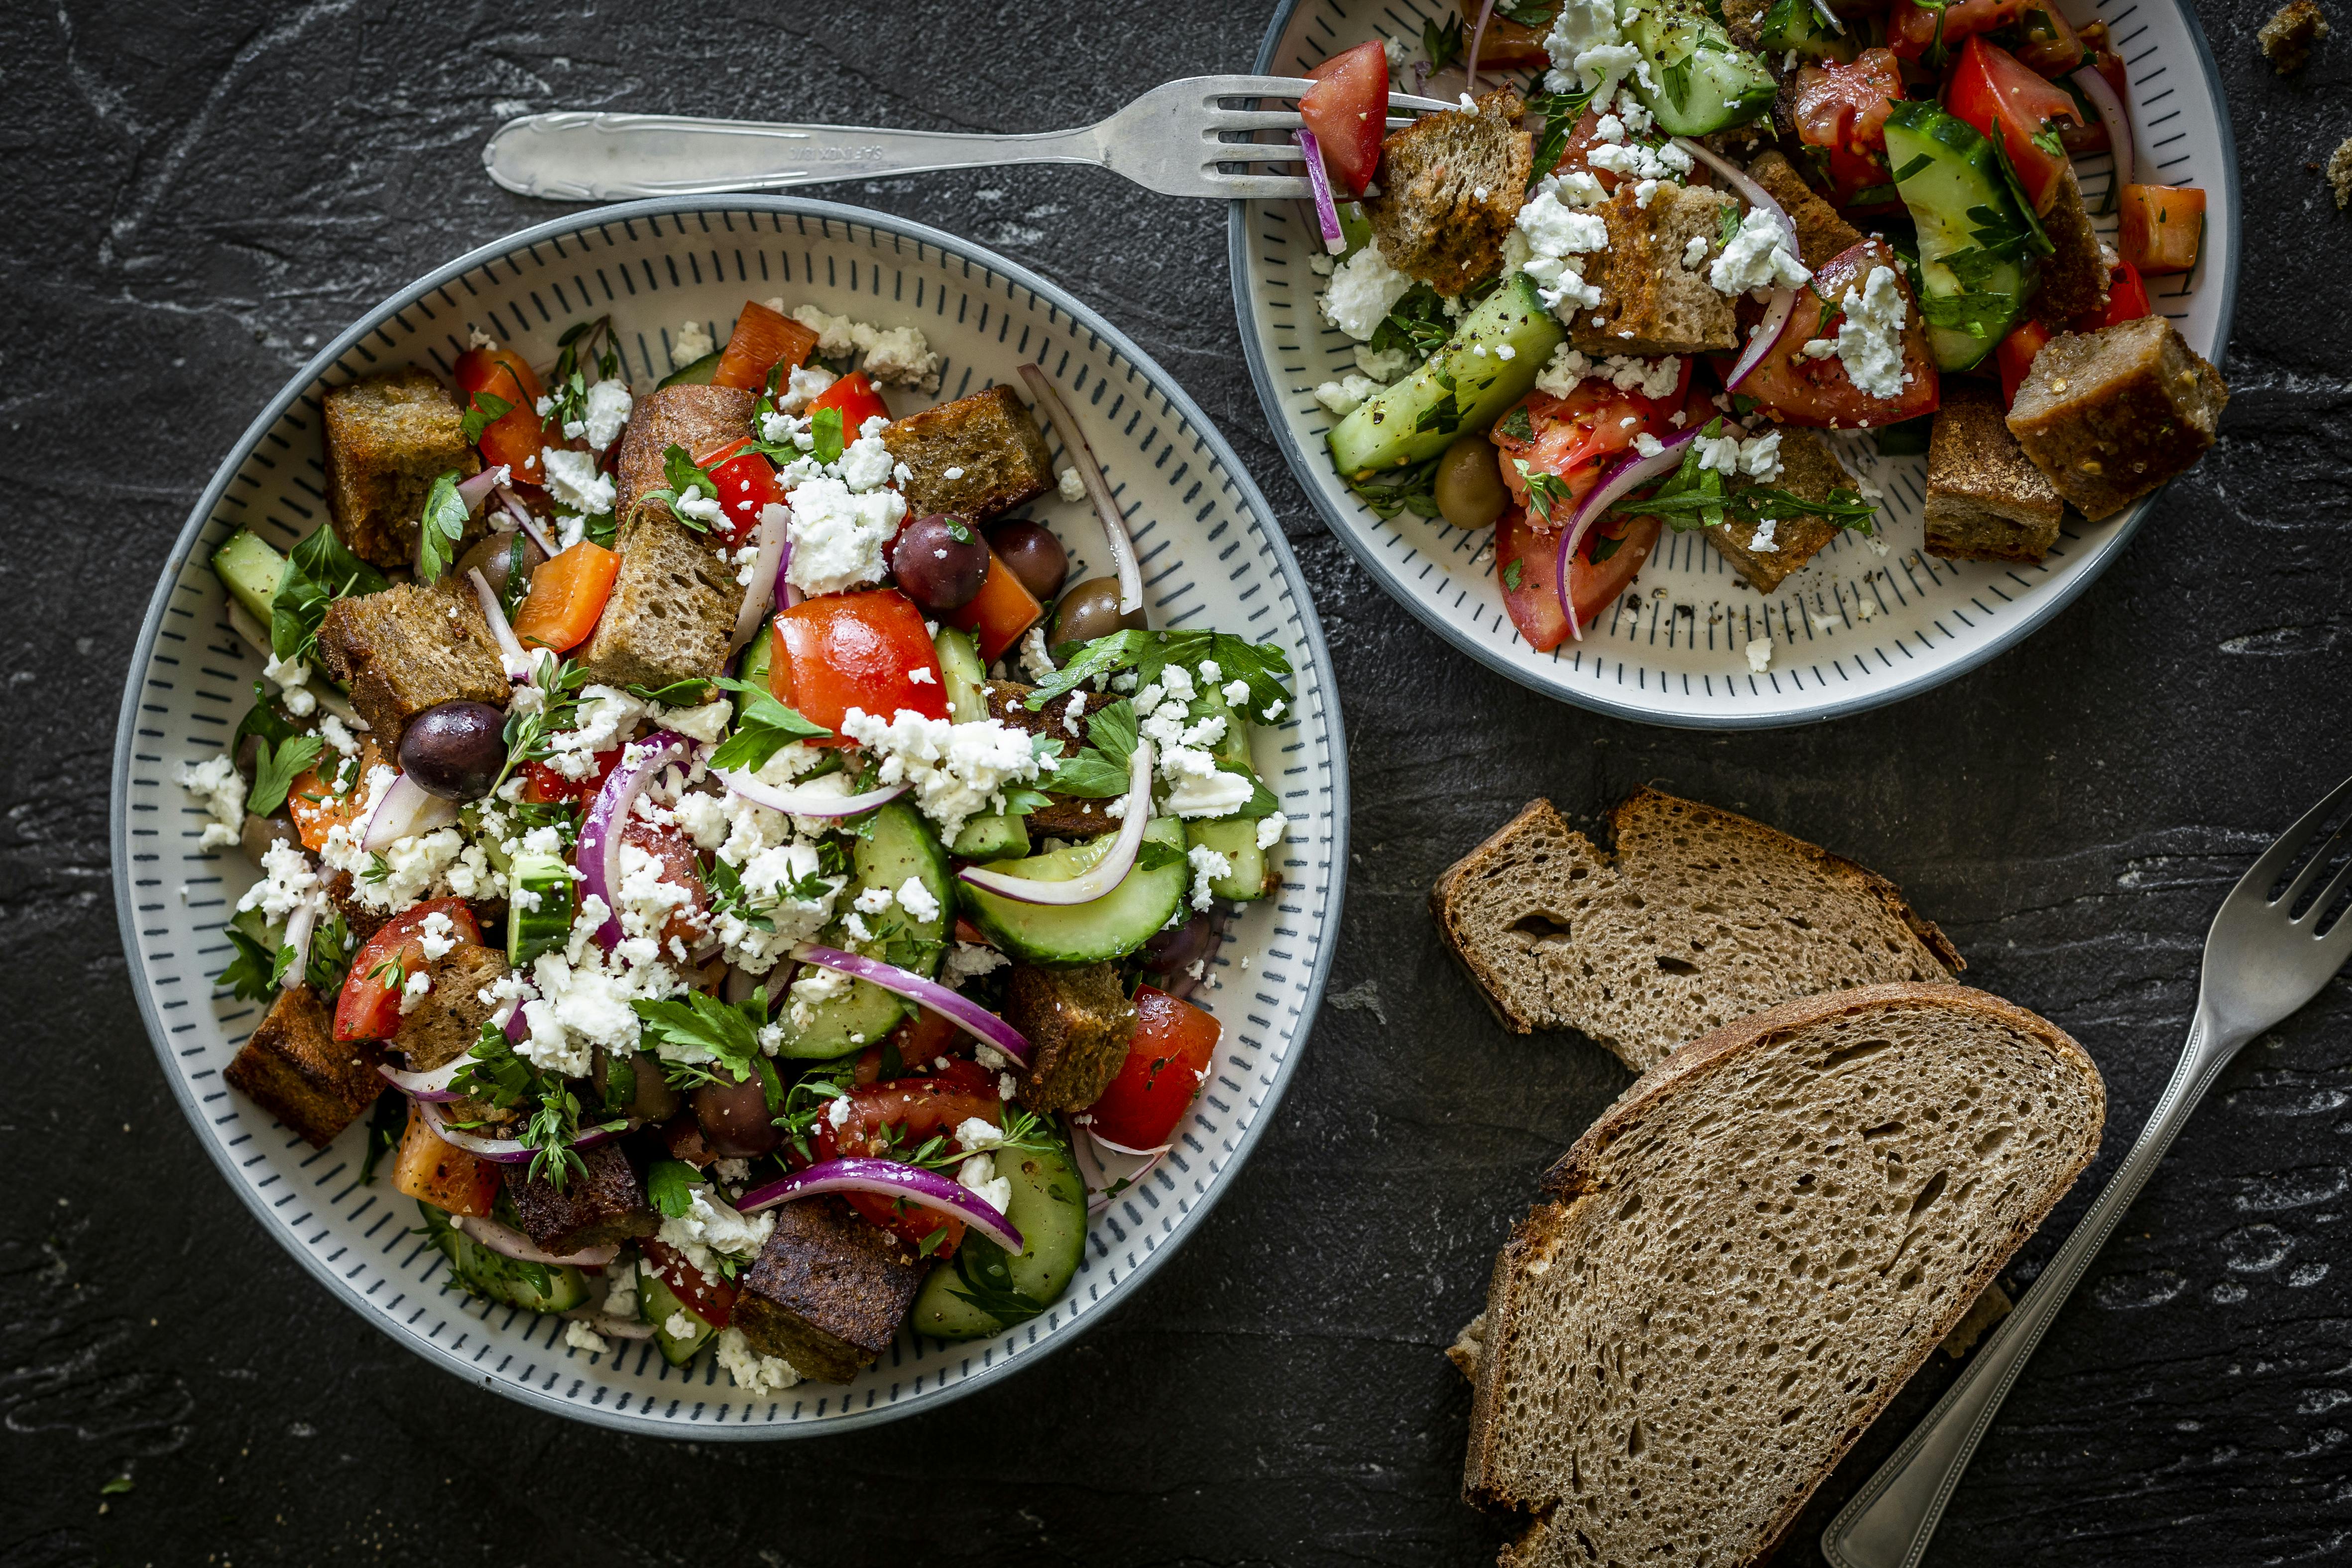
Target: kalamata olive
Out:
[495,556]
[261,832]
[1469,483]
[1172,952]
[1089,611]
[734,1117]
[940,561]
[650,1098]
[1031,552]
[455,749]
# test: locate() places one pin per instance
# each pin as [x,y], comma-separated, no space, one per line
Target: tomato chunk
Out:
[449,1178]
[747,487]
[1348,110]
[516,436]
[1570,438]
[889,1118]
[2126,297]
[1995,92]
[1913,30]
[2163,227]
[856,396]
[567,596]
[999,614]
[543,785]
[762,339]
[689,922]
[1166,1064]
[866,650]
[713,1299]
[1816,391]
[369,1008]
[2014,358]
[1528,558]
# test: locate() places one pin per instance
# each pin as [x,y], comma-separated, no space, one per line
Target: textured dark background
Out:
[198,196]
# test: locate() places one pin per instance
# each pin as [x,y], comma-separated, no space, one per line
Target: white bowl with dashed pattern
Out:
[1855,628]
[1212,556]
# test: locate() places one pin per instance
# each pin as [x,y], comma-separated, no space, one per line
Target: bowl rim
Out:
[1318,654]
[1310,478]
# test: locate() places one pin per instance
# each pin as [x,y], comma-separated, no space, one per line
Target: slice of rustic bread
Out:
[2111,414]
[1702,916]
[1807,470]
[1985,501]
[1652,300]
[1450,186]
[1749,1253]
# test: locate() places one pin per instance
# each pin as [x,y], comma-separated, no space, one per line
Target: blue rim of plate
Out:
[142,653]
[1309,468]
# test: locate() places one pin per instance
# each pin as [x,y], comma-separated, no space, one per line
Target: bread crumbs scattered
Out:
[2286,38]
[2340,172]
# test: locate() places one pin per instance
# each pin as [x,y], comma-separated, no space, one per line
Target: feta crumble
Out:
[691,342]
[1364,289]
[215,783]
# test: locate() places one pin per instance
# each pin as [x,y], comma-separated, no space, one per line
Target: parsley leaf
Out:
[984,1270]
[1443,45]
[487,409]
[1516,425]
[250,975]
[319,570]
[1561,112]
[1262,667]
[275,771]
[824,424]
[1512,573]
[263,720]
[1543,489]
[699,1022]
[440,527]
[765,728]
[684,475]
[670,1186]
[690,692]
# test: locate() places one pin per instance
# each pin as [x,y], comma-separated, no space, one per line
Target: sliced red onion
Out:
[613,1328]
[510,1243]
[1103,1142]
[433,1086]
[890,1179]
[1477,37]
[512,655]
[2117,119]
[298,926]
[776,549]
[1739,180]
[598,853]
[405,810]
[517,1025]
[1631,472]
[804,801]
[475,489]
[501,1151]
[950,1004]
[527,523]
[1109,1174]
[1766,333]
[1082,457]
[1319,180]
[1104,874]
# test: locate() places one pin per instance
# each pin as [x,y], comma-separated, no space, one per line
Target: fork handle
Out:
[578,156]
[1888,1523]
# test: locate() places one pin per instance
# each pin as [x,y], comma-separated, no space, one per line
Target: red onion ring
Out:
[598,853]
[1105,1183]
[501,1151]
[804,801]
[890,1179]
[1754,194]
[527,523]
[1082,456]
[1766,333]
[1104,874]
[1319,180]
[300,923]
[950,1004]
[475,489]
[2118,120]
[1477,37]
[1629,474]
[1103,1142]
[510,1243]
[433,1086]
[404,809]
[511,653]
[775,552]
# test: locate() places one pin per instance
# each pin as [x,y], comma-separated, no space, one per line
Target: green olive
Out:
[1469,485]
[1089,611]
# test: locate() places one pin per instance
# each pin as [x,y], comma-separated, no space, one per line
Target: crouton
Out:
[2286,38]
[1743,20]
[1809,469]
[1651,303]
[978,456]
[448,1020]
[408,648]
[1450,186]
[388,437]
[2074,275]
[1821,232]
[361,919]
[1985,500]
[601,1202]
[828,1290]
[2111,414]
[294,1067]
[2340,172]
[1078,1022]
[1069,816]
[672,608]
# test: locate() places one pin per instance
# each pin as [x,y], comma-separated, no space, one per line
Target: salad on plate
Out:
[759,905]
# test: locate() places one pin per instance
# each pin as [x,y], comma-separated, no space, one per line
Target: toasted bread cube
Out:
[361,919]
[1451,186]
[1821,232]
[2074,275]
[828,1292]
[294,1067]
[1809,469]
[1652,303]
[2111,414]
[1078,1022]
[989,442]
[448,1020]
[2286,38]
[602,1201]
[673,608]
[388,437]
[1069,816]
[1985,500]
[408,648]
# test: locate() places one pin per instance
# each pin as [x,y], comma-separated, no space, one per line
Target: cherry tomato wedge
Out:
[2126,297]
[543,785]
[1348,110]
[2014,358]
[714,1300]
[762,339]
[1816,391]
[2163,227]
[1166,1064]
[1994,91]
[856,650]
[999,614]
[516,436]
[855,395]
[1528,558]
[369,1008]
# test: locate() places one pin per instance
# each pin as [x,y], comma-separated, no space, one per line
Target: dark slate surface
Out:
[198,194]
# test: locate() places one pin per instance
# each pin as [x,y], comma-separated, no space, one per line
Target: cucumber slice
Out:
[659,1305]
[1048,1207]
[1798,25]
[250,569]
[753,671]
[699,374]
[1972,285]
[1110,927]
[993,838]
[543,928]
[533,1287]
[1704,81]
[1236,839]
[1465,385]
[960,674]
[1234,745]
[900,845]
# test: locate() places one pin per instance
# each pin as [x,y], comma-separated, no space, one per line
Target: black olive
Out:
[455,749]
[1031,552]
[1089,611]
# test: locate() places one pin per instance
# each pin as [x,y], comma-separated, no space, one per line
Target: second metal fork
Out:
[1171,139]
[2271,949]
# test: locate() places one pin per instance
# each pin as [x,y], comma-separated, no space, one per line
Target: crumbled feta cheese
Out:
[216,784]
[754,1373]
[621,1288]
[691,342]
[872,901]
[333,730]
[1074,716]
[958,771]
[918,900]
[289,675]
[1364,289]
[966,960]
[1384,366]
[1762,542]
[1762,255]
[803,387]
[478,338]
[581,1337]
[1759,456]
[895,356]
[1344,396]
[974,1133]
[1649,378]
[837,537]
[1270,829]
[1870,338]
[1037,663]
[1554,235]
[1071,485]
[608,408]
[711,1228]
[1760,655]
[607,717]
[978,1176]
[1208,865]
[952,475]
[412,992]
[437,934]
[573,480]
[693,507]
[288,882]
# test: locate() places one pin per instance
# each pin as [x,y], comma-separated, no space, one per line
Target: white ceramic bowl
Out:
[1854,629]
[1212,557]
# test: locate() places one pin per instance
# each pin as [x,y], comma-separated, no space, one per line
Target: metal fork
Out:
[2266,956]
[1172,140]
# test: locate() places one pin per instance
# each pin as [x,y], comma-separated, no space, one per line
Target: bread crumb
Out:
[2339,171]
[2286,38]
